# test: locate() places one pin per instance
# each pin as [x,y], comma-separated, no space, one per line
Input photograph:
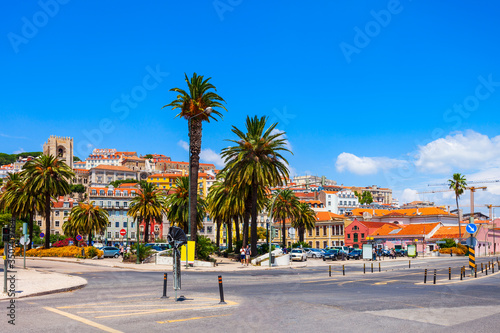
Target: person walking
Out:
[242,255]
[248,252]
[121,250]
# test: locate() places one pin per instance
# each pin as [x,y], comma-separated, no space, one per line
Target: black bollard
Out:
[372,267]
[486,270]
[461,275]
[434,276]
[364,268]
[482,270]
[425,276]
[379,267]
[409,263]
[221,291]
[343,270]
[330,271]
[492,267]
[449,273]
[164,286]
[475,271]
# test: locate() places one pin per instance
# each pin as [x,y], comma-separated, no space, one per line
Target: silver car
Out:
[315,253]
[298,254]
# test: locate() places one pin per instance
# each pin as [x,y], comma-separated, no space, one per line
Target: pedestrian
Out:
[121,250]
[242,255]
[374,255]
[248,252]
[379,253]
[393,254]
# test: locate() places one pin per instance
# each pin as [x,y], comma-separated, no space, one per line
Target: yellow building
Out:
[328,231]
[166,181]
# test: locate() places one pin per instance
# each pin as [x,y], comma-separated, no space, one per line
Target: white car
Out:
[298,254]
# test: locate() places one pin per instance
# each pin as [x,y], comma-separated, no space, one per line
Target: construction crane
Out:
[471,188]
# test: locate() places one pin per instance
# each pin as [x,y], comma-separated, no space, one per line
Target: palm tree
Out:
[458,184]
[306,219]
[148,205]
[197,105]
[286,207]
[256,162]
[177,204]
[30,204]
[9,198]
[87,219]
[47,177]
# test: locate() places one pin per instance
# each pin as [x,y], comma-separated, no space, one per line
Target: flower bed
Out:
[66,251]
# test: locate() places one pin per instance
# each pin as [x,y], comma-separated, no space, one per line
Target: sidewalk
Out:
[31,282]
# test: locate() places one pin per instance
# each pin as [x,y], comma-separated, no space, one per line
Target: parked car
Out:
[331,254]
[400,252]
[316,253]
[298,254]
[158,246]
[110,251]
[386,253]
[355,254]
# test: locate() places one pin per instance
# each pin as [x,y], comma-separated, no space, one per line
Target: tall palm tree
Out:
[9,197]
[305,219]
[199,104]
[47,177]
[29,204]
[148,205]
[256,161]
[458,184]
[177,204]
[286,207]
[87,219]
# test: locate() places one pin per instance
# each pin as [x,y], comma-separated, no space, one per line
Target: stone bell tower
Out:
[60,147]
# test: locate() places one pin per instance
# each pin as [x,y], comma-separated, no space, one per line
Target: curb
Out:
[55,291]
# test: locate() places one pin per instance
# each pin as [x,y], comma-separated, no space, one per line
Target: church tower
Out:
[60,147]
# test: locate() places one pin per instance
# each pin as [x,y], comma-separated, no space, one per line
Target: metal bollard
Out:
[164,286]
[492,267]
[372,267]
[343,270]
[221,291]
[449,273]
[482,270]
[461,273]
[475,271]
[409,263]
[486,270]
[379,267]
[434,276]
[425,276]
[330,271]
[364,268]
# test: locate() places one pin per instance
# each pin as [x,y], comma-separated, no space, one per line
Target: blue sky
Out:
[394,93]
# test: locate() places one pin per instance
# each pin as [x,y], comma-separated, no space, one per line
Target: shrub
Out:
[299,244]
[144,251]
[66,251]
[204,247]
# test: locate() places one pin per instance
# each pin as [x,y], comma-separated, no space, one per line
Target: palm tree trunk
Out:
[47,221]
[194,162]
[146,230]
[254,217]
[458,214]
[236,220]
[229,236]
[283,231]
[217,242]
[301,234]
[30,230]
[246,220]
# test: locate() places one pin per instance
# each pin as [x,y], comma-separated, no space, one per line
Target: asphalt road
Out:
[395,299]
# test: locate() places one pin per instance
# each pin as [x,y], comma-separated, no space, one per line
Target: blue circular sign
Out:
[42,235]
[471,228]
[79,237]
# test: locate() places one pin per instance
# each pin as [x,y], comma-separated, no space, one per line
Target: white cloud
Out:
[207,155]
[19,151]
[409,195]
[466,151]
[12,137]
[183,144]
[366,165]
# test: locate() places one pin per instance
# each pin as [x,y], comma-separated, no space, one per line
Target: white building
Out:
[339,202]
[109,157]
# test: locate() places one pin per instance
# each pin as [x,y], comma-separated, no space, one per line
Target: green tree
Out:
[117,183]
[256,161]
[148,156]
[29,203]
[86,219]
[76,159]
[458,184]
[367,197]
[47,177]
[148,206]
[305,219]
[178,205]
[286,207]
[198,104]
[12,191]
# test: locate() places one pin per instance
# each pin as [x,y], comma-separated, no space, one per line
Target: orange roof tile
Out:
[112,167]
[327,216]
[449,232]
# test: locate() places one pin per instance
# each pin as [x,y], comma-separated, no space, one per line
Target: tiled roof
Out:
[373,225]
[448,232]
[374,212]
[327,216]
[113,168]
[409,230]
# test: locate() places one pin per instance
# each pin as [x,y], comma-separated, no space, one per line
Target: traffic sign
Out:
[471,241]
[70,243]
[123,232]
[42,235]
[24,240]
[291,231]
[471,228]
[79,237]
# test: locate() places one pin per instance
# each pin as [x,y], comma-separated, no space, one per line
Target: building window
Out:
[355,237]
[132,234]
[209,231]
[317,244]
[56,223]
[101,192]
[362,236]
[117,204]
[56,213]
[202,230]
[325,244]
[117,234]
[39,223]
[324,231]
[93,192]
[109,234]
[329,203]
[110,193]
[317,231]
[348,236]
[125,224]
[117,224]
[66,213]
[117,213]
[310,232]
[310,244]
[109,203]
[125,205]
